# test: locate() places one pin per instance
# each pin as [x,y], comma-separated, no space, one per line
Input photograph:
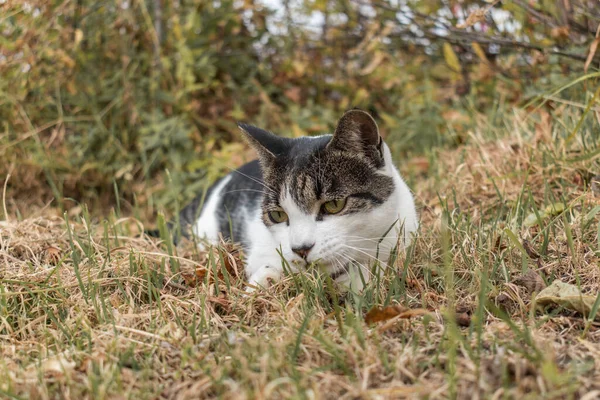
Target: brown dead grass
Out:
[133,324]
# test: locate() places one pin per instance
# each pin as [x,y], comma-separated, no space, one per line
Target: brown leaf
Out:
[415,312]
[378,314]
[198,273]
[294,94]
[560,32]
[52,255]
[531,281]
[220,300]
[421,164]
[474,17]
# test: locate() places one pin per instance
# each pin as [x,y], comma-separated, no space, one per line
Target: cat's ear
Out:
[357,132]
[267,145]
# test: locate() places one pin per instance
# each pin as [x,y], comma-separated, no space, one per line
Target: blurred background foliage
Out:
[141,97]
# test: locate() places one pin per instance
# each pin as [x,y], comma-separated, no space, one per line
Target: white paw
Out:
[264,277]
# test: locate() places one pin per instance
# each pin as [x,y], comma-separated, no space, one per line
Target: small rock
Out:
[463,319]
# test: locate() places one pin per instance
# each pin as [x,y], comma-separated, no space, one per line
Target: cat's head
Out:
[327,199]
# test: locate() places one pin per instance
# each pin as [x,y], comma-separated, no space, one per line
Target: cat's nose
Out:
[303,250]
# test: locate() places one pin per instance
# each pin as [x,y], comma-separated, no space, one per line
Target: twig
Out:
[537,14]
[6,218]
[470,36]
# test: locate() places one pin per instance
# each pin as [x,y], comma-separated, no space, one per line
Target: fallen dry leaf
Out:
[294,93]
[52,255]
[378,314]
[531,281]
[415,312]
[474,17]
[198,273]
[420,164]
[560,32]
[567,296]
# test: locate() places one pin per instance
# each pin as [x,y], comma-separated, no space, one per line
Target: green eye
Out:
[334,206]
[278,216]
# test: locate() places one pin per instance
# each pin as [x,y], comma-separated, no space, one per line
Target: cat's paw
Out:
[263,277]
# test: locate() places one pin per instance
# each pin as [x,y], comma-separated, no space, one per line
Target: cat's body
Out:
[332,200]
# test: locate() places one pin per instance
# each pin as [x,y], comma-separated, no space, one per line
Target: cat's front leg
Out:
[264,266]
[264,277]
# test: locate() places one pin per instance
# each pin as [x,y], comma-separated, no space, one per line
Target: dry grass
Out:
[90,310]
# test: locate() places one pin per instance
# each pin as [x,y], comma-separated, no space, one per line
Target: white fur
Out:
[206,227]
[337,239]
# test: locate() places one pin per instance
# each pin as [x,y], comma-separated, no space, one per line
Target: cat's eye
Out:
[277,216]
[334,206]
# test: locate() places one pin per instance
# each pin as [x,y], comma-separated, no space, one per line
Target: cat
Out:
[336,201]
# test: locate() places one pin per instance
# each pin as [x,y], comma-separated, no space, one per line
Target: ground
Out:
[89,308]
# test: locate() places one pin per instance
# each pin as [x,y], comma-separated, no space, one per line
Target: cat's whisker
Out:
[368,270]
[365,253]
[363,239]
[367,238]
[254,180]
[365,248]
[353,261]
[243,190]
[339,265]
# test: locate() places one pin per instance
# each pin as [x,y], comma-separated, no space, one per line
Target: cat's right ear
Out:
[267,145]
[357,133]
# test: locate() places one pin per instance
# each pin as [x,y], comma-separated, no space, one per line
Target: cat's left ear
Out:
[267,145]
[357,133]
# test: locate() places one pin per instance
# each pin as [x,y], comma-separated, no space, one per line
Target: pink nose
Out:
[303,251]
